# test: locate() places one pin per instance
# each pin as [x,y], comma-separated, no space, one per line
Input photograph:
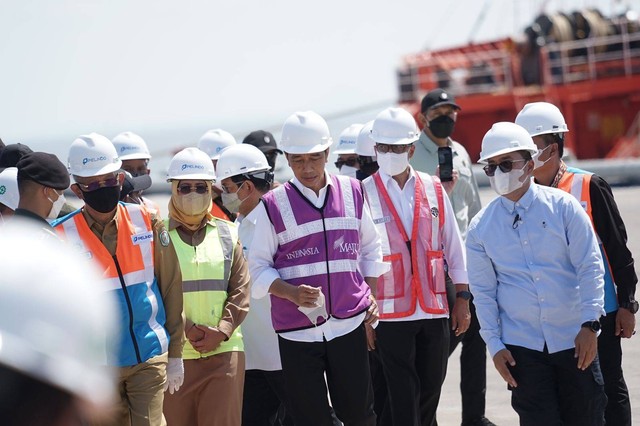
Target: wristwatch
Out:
[465,295]
[592,325]
[631,305]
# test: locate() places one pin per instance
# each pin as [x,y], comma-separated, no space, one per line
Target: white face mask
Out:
[231,201]
[56,206]
[539,163]
[348,171]
[393,164]
[505,183]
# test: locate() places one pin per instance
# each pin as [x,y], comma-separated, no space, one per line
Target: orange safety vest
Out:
[130,276]
[216,211]
[417,272]
[576,182]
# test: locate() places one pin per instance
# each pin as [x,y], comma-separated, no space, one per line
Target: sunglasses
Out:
[106,183]
[351,162]
[185,189]
[396,149]
[505,166]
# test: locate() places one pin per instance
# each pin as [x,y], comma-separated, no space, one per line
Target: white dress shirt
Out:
[453,248]
[260,339]
[265,245]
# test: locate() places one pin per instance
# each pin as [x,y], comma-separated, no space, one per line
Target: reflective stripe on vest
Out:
[576,182]
[206,269]
[319,247]
[144,335]
[400,289]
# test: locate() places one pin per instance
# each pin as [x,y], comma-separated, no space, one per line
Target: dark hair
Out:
[263,186]
[557,138]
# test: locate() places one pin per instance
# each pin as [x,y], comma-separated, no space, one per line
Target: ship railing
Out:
[591,58]
[460,73]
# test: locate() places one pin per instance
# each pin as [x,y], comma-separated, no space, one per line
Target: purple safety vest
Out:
[318,247]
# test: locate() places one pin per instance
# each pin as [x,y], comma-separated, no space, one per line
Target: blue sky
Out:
[175,69]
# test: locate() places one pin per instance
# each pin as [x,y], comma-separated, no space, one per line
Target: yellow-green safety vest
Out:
[205,279]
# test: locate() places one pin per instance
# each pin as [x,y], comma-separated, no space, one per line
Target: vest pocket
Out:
[436,270]
[391,284]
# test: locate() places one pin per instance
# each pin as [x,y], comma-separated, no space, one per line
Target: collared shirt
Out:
[265,245]
[260,339]
[404,202]
[535,270]
[465,197]
[167,271]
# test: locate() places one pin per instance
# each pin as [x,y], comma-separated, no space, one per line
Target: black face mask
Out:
[103,200]
[366,170]
[442,126]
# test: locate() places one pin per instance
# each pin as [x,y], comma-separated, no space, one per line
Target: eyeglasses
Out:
[185,189]
[106,183]
[351,162]
[396,149]
[505,166]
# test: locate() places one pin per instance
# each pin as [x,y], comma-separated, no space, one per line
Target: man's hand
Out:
[371,336]
[625,323]
[448,186]
[372,313]
[211,340]
[304,295]
[460,316]
[586,347]
[502,360]
[194,334]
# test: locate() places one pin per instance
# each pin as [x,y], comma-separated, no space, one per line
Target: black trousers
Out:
[552,391]
[345,361]
[618,410]
[414,357]
[473,362]
[264,401]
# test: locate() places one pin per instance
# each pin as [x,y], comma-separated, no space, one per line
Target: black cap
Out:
[134,183]
[436,98]
[45,169]
[12,153]
[262,140]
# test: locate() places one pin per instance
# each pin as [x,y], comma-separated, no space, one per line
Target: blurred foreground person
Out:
[55,321]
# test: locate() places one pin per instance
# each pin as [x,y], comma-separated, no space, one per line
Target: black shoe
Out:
[482,421]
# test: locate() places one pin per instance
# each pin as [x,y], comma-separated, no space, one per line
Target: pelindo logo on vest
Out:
[137,239]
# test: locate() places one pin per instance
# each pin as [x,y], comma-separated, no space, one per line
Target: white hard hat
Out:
[395,126]
[540,118]
[305,133]
[239,160]
[93,155]
[55,316]
[503,138]
[348,140]
[365,146]
[9,195]
[214,141]
[191,163]
[130,146]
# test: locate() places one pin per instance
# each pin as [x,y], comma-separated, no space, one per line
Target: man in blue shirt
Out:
[537,277]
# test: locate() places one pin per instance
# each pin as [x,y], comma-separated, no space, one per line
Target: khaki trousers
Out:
[141,391]
[211,394]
